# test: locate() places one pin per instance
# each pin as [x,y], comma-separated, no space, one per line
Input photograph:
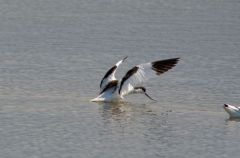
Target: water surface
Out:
[53,55]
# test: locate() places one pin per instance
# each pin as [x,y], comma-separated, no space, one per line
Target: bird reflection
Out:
[232,120]
[126,118]
[115,110]
[126,111]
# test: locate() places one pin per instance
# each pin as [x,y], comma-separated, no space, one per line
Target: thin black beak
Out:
[149,96]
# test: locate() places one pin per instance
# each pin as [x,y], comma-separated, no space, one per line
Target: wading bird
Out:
[112,90]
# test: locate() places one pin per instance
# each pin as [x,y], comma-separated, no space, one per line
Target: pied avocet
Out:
[113,90]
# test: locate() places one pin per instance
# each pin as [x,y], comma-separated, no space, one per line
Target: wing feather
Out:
[110,75]
[143,72]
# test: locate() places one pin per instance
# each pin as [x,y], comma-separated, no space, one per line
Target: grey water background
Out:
[53,54]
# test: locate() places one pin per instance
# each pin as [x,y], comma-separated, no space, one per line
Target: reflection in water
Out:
[115,110]
[116,118]
[124,110]
[229,120]
[232,129]
[149,121]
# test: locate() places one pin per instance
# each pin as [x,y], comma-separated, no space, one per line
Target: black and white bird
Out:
[112,90]
[233,111]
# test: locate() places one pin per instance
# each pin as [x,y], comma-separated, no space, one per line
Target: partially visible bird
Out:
[233,111]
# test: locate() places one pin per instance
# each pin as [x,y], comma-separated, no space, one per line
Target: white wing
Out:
[110,75]
[141,73]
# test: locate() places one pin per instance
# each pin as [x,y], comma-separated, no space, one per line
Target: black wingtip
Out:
[173,59]
[177,59]
[162,66]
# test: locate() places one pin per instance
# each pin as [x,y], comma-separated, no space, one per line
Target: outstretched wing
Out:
[141,73]
[110,75]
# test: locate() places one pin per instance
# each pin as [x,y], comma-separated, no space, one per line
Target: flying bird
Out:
[112,89]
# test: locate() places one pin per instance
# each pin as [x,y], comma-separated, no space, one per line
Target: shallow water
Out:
[53,55]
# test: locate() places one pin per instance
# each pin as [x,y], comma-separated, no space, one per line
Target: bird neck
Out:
[139,90]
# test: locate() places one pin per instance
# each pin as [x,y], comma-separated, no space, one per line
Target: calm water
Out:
[53,54]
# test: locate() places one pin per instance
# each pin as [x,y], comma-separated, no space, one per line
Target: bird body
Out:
[109,93]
